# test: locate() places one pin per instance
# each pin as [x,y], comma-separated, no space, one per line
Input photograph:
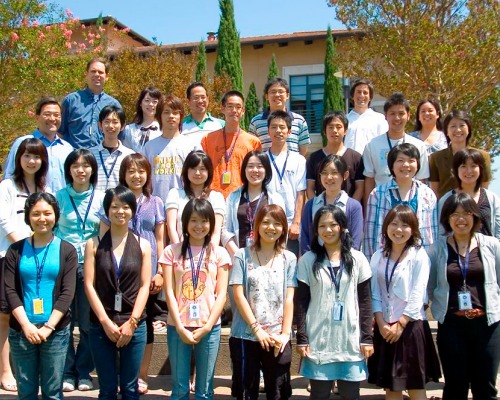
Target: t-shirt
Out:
[363,128]
[375,157]
[204,294]
[299,136]
[293,178]
[440,144]
[355,166]
[213,145]
[265,291]
[166,157]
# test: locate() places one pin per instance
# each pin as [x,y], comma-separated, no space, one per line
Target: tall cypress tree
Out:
[272,73]
[332,98]
[251,105]
[228,59]
[201,65]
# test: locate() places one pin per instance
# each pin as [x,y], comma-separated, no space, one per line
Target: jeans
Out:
[469,350]
[105,353]
[206,352]
[44,363]
[79,364]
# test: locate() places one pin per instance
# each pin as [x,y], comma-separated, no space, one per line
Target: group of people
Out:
[106,225]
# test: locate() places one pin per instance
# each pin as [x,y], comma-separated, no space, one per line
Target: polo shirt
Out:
[196,130]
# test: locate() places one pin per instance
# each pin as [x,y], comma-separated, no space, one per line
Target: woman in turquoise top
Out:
[79,221]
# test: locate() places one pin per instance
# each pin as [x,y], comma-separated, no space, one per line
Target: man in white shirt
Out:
[364,123]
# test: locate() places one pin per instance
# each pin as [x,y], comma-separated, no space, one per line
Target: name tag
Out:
[38,306]
[194,311]
[338,311]
[118,301]
[464,300]
[226,177]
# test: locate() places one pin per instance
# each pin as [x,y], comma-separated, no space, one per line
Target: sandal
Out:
[9,387]
[143,386]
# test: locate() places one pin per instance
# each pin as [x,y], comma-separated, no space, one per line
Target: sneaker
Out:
[84,385]
[68,386]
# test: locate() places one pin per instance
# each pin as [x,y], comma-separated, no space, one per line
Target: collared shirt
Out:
[363,128]
[109,165]
[380,203]
[80,116]
[57,151]
[196,130]
[299,136]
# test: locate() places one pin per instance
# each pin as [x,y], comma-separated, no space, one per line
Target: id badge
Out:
[118,301]
[194,311]
[388,312]
[464,301]
[81,250]
[226,177]
[249,240]
[338,311]
[37,306]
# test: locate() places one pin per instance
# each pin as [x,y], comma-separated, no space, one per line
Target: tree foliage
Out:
[251,105]
[38,57]
[443,49]
[228,61]
[272,73]
[201,64]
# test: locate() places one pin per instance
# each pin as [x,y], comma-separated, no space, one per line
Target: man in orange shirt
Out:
[228,146]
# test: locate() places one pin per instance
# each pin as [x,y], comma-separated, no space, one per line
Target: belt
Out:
[470,314]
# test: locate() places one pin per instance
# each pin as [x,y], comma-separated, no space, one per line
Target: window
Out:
[306,98]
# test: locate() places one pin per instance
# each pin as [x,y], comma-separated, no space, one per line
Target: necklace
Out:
[267,259]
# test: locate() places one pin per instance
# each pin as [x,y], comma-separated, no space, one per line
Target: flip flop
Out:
[9,387]
[143,386]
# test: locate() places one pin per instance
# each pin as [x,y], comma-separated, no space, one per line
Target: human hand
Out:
[31,333]
[126,334]
[303,351]
[156,284]
[395,331]
[112,331]
[367,350]
[186,336]
[293,231]
[199,333]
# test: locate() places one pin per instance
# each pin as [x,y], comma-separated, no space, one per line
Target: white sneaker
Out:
[68,386]
[84,385]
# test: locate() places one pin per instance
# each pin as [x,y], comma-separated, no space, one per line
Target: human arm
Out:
[286,327]
[355,222]
[365,317]
[302,298]
[420,270]
[370,222]
[172,225]
[305,227]
[369,185]
[215,239]
[303,150]
[359,190]
[127,328]
[294,228]
[157,281]
[8,225]
[311,186]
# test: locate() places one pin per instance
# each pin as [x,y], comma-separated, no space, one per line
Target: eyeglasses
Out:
[281,92]
[463,215]
[328,174]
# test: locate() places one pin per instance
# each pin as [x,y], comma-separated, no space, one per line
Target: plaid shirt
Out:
[382,200]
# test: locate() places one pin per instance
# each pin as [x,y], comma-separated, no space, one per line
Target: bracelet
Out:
[46,325]
[256,328]
[401,325]
[254,324]
[134,322]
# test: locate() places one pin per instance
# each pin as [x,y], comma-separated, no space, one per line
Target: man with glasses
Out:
[79,125]
[199,122]
[277,93]
[48,119]
[227,147]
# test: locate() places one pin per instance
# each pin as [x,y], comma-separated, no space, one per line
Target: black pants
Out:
[320,390]
[470,355]
[248,358]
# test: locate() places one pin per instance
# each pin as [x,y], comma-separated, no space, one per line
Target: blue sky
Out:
[179,21]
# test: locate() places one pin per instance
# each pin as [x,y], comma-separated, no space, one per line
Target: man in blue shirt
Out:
[48,119]
[81,109]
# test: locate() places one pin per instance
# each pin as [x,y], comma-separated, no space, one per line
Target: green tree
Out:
[228,61]
[38,57]
[443,49]
[272,73]
[201,64]
[251,105]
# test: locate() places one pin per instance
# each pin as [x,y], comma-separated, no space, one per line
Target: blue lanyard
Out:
[334,201]
[227,155]
[118,267]
[135,220]
[195,273]
[465,266]
[388,279]
[413,204]
[250,214]
[282,174]
[81,221]
[389,140]
[336,277]
[39,267]
[104,166]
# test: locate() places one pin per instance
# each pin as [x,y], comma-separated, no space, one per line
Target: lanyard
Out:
[118,267]
[282,174]
[81,221]
[135,220]
[227,155]
[336,277]
[410,203]
[334,201]
[104,166]
[26,188]
[195,273]
[250,213]
[388,279]
[39,266]
[389,140]
[465,266]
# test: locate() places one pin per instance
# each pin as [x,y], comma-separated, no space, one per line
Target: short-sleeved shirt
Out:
[196,130]
[213,145]
[375,157]
[177,199]
[355,166]
[166,157]
[293,181]
[108,165]
[265,291]
[184,291]
[299,136]
[363,128]
[440,144]
[441,170]
[135,136]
